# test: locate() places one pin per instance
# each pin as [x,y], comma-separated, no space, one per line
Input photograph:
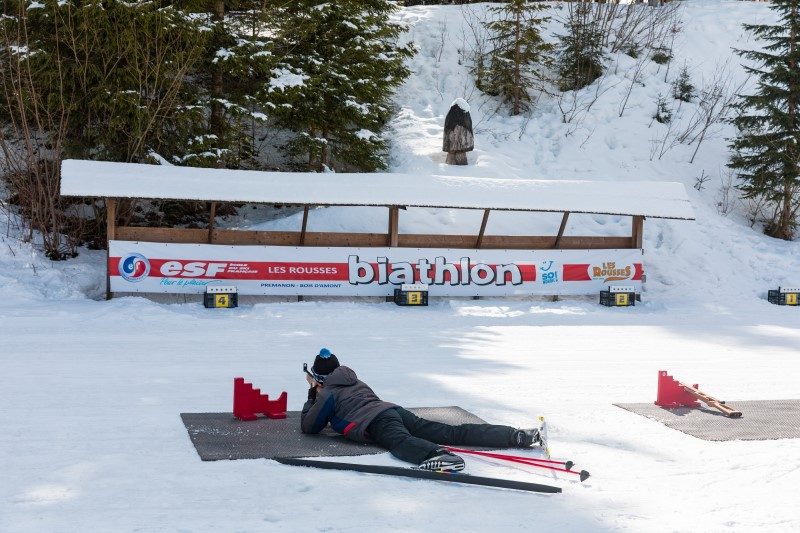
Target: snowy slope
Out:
[91,440]
[717,251]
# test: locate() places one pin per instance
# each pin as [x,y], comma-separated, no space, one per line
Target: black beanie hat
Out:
[325,363]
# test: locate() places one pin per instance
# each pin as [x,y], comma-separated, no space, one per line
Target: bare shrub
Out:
[633,26]
[700,181]
[68,90]
[715,101]
[728,194]
[714,104]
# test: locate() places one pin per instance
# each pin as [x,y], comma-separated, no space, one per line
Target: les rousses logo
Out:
[611,272]
[134,267]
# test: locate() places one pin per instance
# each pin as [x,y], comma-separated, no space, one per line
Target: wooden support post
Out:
[303,238]
[111,233]
[304,227]
[561,229]
[394,220]
[483,228]
[637,231]
[482,232]
[211,218]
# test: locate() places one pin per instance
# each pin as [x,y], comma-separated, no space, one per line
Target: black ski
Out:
[422,474]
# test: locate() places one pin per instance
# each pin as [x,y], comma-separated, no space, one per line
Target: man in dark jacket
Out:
[338,397]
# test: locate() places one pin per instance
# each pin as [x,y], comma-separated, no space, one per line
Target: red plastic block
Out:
[248,402]
[672,394]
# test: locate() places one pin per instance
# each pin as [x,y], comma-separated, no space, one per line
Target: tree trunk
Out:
[791,167]
[516,110]
[323,160]
[217,88]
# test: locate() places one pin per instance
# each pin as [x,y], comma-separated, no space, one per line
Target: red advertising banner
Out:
[288,270]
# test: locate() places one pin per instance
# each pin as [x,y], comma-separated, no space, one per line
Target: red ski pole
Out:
[566,464]
[529,461]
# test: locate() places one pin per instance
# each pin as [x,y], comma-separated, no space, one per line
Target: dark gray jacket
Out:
[344,401]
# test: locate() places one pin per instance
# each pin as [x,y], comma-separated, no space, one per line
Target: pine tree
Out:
[518,54]
[90,80]
[682,88]
[767,150]
[101,79]
[581,48]
[663,114]
[237,60]
[339,63]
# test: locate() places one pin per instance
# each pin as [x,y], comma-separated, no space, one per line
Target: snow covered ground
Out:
[91,440]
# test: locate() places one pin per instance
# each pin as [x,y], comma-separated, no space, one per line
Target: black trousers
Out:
[413,439]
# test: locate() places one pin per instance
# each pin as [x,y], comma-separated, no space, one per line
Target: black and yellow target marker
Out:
[618,297]
[784,296]
[415,294]
[221,297]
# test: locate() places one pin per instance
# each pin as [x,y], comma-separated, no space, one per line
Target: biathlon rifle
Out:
[711,401]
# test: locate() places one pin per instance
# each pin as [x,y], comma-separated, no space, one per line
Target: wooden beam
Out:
[561,229]
[394,221]
[212,216]
[168,235]
[304,226]
[483,228]
[637,231]
[406,240]
[512,242]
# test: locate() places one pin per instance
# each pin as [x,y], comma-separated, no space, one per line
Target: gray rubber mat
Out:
[220,436]
[761,420]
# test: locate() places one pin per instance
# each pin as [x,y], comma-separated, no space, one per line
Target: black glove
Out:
[312,393]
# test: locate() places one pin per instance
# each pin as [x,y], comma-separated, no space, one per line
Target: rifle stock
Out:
[712,402]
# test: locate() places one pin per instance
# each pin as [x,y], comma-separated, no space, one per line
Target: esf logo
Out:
[134,267]
[193,269]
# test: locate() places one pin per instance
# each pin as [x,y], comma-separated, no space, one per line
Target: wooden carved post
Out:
[458,136]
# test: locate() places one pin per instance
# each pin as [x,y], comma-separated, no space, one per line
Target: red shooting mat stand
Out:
[248,402]
[672,394]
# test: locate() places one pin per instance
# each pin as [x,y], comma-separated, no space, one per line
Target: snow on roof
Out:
[128,180]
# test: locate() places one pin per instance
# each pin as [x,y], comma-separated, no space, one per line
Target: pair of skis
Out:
[458,477]
[465,479]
